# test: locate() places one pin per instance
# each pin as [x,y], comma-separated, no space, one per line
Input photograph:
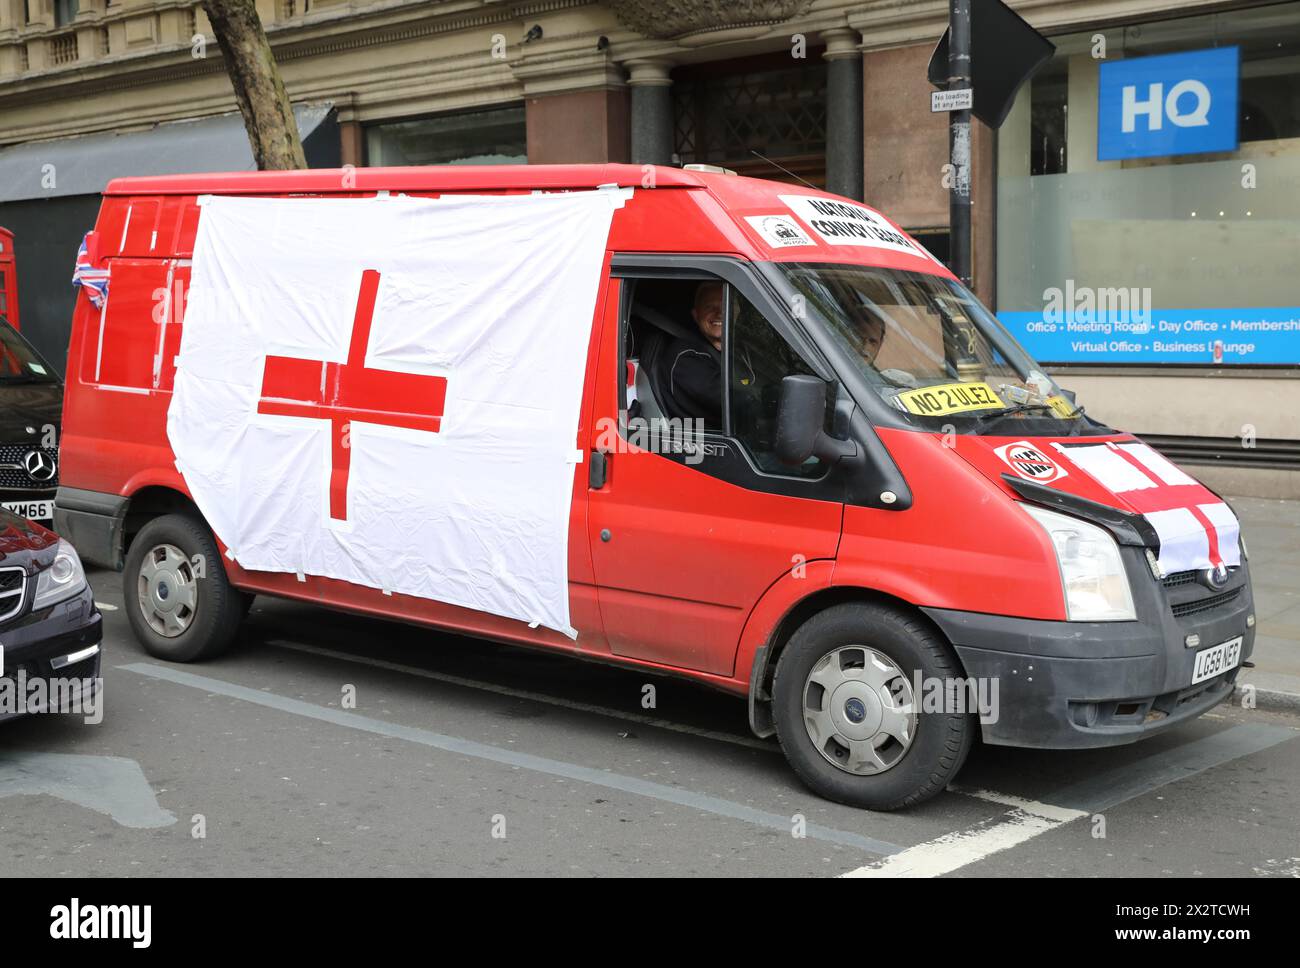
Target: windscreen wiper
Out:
[984,419]
[1078,412]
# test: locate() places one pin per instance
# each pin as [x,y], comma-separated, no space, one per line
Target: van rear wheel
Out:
[177,597]
[847,715]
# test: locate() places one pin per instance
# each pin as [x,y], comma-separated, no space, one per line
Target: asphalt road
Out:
[468,758]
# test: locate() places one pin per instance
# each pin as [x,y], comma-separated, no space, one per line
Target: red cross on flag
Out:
[385,391]
[351,391]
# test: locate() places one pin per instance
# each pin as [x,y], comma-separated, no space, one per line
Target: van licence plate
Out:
[1217,659]
[31,510]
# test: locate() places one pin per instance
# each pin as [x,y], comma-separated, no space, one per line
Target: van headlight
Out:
[1092,572]
[63,579]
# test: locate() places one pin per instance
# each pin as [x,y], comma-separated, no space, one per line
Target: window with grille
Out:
[722,117]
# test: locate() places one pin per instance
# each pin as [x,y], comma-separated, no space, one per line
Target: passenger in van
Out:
[872,328]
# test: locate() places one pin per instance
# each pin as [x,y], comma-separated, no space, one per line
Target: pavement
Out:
[1272,532]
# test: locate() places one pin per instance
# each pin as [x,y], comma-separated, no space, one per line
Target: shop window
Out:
[493,137]
[1048,115]
[1125,257]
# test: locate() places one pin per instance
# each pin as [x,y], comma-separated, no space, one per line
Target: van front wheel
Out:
[848,716]
[177,597]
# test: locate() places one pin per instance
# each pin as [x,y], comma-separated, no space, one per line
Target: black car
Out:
[50,629]
[31,404]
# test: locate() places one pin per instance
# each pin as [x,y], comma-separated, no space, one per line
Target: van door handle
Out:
[597,470]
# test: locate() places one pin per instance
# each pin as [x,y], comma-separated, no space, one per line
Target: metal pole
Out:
[959,147]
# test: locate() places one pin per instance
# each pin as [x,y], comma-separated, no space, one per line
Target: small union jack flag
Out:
[94,281]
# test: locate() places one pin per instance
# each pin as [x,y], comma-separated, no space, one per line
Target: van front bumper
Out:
[1077,685]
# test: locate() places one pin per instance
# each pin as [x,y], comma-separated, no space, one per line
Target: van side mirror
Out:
[799,433]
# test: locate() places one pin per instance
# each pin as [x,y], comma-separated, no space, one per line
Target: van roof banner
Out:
[386,391]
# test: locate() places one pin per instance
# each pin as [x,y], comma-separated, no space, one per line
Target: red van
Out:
[739,431]
[8,279]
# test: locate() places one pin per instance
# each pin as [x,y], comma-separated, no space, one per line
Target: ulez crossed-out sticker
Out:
[1031,462]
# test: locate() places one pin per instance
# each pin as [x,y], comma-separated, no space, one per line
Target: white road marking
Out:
[1100,791]
[105,607]
[607,779]
[1025,820]
[746,741]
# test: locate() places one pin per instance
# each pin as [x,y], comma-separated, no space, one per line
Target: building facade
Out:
[831,92]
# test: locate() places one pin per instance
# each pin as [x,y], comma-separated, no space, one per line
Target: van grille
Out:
[13,583]
[1183,609]
[1178,578]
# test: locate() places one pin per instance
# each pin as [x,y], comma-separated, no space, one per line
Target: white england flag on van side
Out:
[386,390]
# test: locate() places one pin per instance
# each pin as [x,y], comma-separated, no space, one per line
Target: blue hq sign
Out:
[1171,104]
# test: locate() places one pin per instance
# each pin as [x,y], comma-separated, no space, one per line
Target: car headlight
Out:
[63,579]
[1092,572]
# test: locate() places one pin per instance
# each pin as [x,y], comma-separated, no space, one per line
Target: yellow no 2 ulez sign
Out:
[938,401]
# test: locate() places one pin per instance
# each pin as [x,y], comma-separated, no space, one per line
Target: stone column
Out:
[652,112]
[844,146]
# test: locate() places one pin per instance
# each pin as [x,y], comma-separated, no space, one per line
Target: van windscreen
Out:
[927,345]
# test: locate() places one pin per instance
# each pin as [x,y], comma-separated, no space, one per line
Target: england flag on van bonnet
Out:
[1196,529]
[385,391]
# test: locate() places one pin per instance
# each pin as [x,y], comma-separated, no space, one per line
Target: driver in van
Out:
[694,387]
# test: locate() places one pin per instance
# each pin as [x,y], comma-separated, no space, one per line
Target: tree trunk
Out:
[268,116]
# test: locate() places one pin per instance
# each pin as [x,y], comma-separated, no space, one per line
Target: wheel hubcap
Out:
[167,591]
[858,710]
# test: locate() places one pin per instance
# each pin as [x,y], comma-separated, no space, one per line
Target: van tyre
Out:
[846,715]
[180,611]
